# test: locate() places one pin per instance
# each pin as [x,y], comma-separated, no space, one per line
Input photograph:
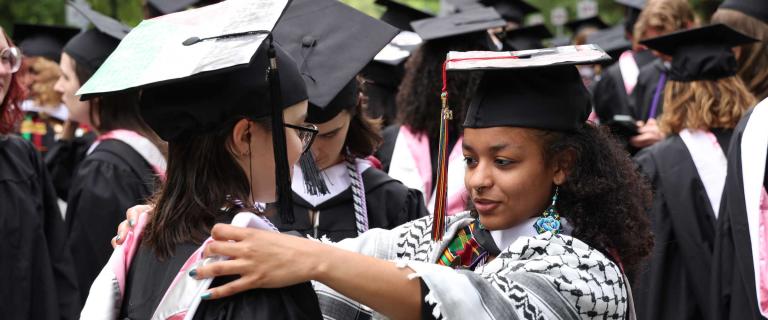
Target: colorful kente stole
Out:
[472,246]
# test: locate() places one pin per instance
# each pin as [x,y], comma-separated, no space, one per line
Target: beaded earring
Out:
[550,218]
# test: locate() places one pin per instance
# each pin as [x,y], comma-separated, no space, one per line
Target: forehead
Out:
[515,136]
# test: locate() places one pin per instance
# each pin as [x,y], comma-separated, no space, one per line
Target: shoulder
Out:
[116,156]
[18,157]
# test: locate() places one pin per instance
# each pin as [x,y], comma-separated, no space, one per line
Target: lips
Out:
[485,205]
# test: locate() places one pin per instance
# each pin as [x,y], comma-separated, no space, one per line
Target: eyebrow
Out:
[494,148]
[332,131]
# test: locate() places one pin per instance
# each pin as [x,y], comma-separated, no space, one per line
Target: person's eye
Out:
[328,135]
[470,161]
[501,162]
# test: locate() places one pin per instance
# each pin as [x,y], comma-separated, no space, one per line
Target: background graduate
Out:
[337,192]
[36,270]
[704,100]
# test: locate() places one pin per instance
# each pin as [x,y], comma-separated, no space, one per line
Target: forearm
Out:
[376,283]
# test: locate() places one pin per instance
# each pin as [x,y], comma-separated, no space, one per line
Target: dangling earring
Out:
[550,218]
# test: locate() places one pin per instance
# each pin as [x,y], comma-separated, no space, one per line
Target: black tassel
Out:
[282,173]
[314,183]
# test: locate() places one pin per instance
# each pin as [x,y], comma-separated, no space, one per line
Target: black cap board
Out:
[511,10]
[754,8]
[331,42]
[400,15]
[634,4]
[37,40]
[538,89]
[90,48]
[525,38]
[702,53]
[466,22]
[612,40]
[171,6]
[594,21]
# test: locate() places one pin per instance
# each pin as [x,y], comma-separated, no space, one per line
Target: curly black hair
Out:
[604,198]
[418,97]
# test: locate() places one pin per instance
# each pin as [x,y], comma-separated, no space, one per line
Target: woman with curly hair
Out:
[559,217]
[409,151]
[36,270]
[703,100]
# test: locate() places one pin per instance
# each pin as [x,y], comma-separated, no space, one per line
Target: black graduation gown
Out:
[609,95]
[149,278]
[109,181]
[389,205]
[62,160]
[674,284]
[642,95]
[37,276]
[733,276]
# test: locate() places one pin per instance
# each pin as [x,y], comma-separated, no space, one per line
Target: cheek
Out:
[525,189]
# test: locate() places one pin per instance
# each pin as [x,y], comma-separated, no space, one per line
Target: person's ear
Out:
[241,137]
[564,162]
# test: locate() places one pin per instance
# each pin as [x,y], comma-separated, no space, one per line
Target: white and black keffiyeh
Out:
[542,277]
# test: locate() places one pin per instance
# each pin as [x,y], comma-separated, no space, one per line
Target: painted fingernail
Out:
[130,222]
[193,273]
[206,296]
[117,238]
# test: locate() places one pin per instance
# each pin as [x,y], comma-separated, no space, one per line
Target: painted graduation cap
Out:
[511,10]
[37,40]
[92,47]
[199,70]
[754,8]
[400,15]
[525,38]
[594,21]
[466,22]
[702,53]
[612,40]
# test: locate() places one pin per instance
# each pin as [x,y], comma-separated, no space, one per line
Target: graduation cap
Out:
[634,4]
[511,10]
[462,23]
[456,6]
[89,49]
[525,38]
[560,41]
[170,6]
[539,89]
[199,70]
[753,8]
[702,53]
[577,25]
[612,40]
[400,15]
[37,40]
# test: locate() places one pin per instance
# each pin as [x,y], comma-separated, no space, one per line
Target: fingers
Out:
[221,268]
[133,213]
[237,286]
[224,232]
[122,231]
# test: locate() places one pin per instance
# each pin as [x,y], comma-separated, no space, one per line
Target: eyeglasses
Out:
[11,58]
[307,133]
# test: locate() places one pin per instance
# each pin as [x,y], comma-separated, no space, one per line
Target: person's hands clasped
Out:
[648,134]
[263,259]
[131,216]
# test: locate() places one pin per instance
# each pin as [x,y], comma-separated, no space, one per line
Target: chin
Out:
[496,222]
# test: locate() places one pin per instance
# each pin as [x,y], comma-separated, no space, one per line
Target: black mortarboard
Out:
[594,21]
[702,53]
[634,4]
[511,10]
[539,89]
[199,74]
[400,15]
[171,6]
[612,40]
[754,8]
[36,40]
[525,38]
[89,49]
[462,23]
[331,42]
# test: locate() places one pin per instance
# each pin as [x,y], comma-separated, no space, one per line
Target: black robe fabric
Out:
[674,283]
[609,95]
[109,181]
[642,95]
[733,293]
[62,160]
[389,205]
[37,275]
[149,278]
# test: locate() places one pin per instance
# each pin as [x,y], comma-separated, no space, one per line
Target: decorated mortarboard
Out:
[511,10]
[594,21]
[754,8]
[702,53]
[612,40]
[525,38]
[90,48]
[462,23]
[400,15]
[538,89]
[634,4]
[36,40]
[201,70]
